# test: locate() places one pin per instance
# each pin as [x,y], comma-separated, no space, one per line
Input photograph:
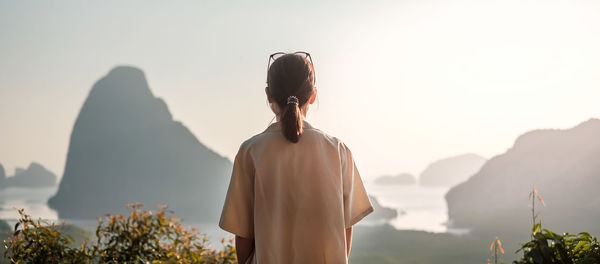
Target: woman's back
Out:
[297,199]
[294,192]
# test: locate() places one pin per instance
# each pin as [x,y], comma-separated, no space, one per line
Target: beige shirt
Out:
[294,200]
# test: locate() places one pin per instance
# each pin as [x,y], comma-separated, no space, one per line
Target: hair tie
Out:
[292,100]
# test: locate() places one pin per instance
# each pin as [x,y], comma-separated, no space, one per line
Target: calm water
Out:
[419,208]
[33,200]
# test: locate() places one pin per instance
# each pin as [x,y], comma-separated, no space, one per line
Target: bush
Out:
[139,237]
[549,247]
[40,242]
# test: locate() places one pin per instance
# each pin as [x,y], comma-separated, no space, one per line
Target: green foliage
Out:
[145,236]
[4,232]
[139,237]
[41,242]
[549,247]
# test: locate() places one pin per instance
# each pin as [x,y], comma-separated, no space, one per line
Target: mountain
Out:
[125,147]
[34,176]
[562,164]
[400,179]
[451,171]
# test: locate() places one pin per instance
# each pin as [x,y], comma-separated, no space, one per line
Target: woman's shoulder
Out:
[318,133]
[259,138]
[335,144]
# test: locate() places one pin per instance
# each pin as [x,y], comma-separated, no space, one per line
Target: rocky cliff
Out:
[125,147]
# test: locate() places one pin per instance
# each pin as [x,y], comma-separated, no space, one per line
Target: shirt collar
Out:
[277,126]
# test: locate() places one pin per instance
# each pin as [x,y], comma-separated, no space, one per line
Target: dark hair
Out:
[291,75]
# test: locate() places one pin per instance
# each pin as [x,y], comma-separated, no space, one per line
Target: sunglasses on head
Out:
[277,55]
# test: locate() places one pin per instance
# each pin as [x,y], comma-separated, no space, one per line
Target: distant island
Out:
[564,166]
[125,147]
[380,212]
[35,176]
[400,179]
[451,171]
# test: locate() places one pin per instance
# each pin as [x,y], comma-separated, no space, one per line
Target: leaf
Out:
[541,200]
[536,228]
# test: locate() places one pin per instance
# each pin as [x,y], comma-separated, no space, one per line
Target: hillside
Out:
[562,164]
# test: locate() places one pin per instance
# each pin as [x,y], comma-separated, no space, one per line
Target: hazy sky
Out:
[402,82]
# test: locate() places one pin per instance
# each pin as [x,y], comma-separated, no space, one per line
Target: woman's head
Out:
[291,86]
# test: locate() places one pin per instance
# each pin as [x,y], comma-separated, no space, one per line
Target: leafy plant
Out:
[146,236]
[496,247]
[548,247]
[41,242]
[139,237]
[533,195]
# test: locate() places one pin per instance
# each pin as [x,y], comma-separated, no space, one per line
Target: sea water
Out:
[33,200]
[418,207]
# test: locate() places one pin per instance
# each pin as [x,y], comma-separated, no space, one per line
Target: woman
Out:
[295,192]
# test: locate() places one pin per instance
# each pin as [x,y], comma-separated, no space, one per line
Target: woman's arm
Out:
[348,241]
[243,248]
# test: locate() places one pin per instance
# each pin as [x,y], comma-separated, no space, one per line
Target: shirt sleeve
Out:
[356,201]
[237,216]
